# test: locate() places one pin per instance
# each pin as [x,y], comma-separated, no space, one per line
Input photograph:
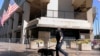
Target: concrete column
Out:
[1,32]
[6,29]
[91,35]
[45,36]
[8,36]
[16,17]
[25,19]
[90,15]
[90,18]
[5,32]
[14,36]
[15,24]
[30,32]
[9,26]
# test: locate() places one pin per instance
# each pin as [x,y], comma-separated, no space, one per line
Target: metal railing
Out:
[63,14]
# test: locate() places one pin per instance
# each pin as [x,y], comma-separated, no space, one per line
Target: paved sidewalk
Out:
[15,49]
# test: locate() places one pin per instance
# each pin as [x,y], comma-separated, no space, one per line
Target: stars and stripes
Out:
[4,16]
[0,20]
[13,6]
[11,9]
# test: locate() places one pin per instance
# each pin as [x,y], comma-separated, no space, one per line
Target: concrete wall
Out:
[90,16]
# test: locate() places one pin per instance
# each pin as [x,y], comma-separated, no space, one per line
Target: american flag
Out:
[3,18]
[13,6]
[11,9]
[0,20]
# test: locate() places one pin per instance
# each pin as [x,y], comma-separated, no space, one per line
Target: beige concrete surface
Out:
[16,49]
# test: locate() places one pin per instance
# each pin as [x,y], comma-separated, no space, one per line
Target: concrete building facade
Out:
[39,19]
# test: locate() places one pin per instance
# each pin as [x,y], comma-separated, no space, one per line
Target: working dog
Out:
[46,52]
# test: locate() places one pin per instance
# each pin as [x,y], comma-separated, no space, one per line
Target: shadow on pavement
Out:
[13,53]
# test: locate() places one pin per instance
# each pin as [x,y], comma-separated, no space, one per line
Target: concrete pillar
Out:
[91,35]
[1,31]
[90,15]
[9,26]
[29,32]
[8,30]
[15,25]
[16,17]
[5,32]
[14,36]
[8,35]
[11,30]
[90,18]
[25,19]
[45,36]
